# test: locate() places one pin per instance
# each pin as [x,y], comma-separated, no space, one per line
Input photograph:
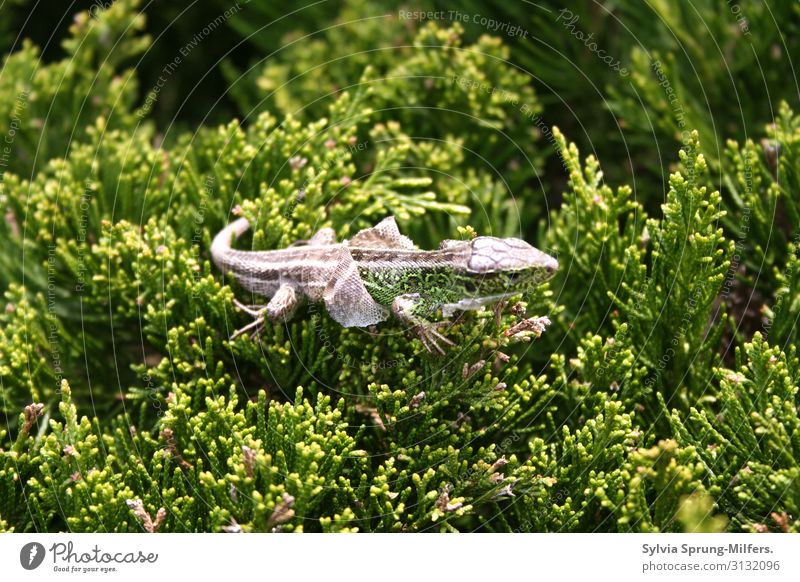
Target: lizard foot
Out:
[257,313]
[251,310]
[409,309]
[280,308]
[430,338]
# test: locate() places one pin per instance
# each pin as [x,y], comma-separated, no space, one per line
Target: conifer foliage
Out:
[663,396]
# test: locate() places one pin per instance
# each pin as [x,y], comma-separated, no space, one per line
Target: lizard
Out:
[379,272]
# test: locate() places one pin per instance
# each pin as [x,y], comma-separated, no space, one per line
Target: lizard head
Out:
[505,266]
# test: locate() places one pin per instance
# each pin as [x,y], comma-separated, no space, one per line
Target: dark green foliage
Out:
[631,80]
[749,438]
[652,282]
[765,222]
[46,107]
[439,90]
[662,397]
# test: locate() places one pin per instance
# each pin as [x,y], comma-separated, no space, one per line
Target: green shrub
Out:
[655,401]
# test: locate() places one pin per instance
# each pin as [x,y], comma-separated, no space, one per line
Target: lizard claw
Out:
[430,338]
[406,308]
[251,310]
[255,325]
[280,308]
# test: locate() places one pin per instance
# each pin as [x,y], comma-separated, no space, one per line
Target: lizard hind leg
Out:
[281,307]
[283,304]
[407,308]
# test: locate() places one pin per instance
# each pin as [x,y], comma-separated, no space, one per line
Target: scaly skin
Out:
[383,273]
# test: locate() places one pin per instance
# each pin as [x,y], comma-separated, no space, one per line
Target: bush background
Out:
[663,397]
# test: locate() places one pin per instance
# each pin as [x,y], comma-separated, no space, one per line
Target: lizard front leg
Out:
[411,308]
[281,307]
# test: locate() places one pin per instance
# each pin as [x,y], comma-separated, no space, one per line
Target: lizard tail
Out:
[221,245]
